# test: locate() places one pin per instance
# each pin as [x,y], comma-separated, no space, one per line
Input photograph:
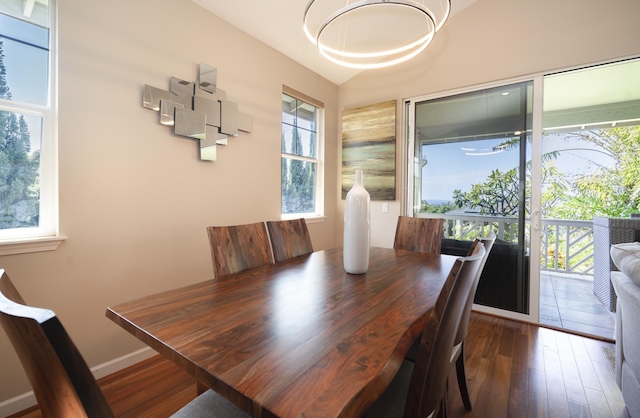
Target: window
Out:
[302,170]
[28,194]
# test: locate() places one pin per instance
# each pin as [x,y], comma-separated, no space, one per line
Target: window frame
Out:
[318,213]
[44,237]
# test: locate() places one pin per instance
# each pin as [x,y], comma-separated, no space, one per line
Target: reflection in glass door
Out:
[470,167]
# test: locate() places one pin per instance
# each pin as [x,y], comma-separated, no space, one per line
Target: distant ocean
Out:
[438,202]
[455,211]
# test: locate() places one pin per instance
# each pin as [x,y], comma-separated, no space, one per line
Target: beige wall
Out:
[134,199]
[494,40]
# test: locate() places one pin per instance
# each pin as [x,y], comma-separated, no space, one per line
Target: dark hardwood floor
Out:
[152,388]
[513,370]
[521,370]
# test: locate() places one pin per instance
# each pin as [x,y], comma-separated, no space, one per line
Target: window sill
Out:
[30,245]
[309,218]
[315,219]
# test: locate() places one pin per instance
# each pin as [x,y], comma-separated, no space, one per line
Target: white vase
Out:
[357,228]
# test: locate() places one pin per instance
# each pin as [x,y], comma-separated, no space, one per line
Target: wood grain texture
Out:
[157,387]
[518,370]
[152,388]
[433,365]
[298,338]
[238,247]
[59,376]
[289,239]
[419,234]
[458,356]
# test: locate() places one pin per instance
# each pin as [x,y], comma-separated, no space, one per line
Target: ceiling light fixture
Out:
[367,34]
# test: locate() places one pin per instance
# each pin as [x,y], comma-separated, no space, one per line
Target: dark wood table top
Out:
[299,338]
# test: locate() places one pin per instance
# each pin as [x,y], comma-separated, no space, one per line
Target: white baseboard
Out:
[17,404]
[105,369]
[27,400]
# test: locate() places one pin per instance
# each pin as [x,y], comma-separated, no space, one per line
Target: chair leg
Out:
[462,379]
[442,411]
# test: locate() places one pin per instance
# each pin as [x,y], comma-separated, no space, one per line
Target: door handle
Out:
[535,220]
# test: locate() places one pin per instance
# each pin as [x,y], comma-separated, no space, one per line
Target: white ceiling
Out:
[279,25]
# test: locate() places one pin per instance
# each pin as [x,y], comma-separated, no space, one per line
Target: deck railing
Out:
[566,245]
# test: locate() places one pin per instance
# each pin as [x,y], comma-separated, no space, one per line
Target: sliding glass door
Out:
[551,166]
[470,165]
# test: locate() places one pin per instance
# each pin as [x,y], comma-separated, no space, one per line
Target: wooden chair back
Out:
[239,247]
[488,242]
[61,380]
[289,239]
[419,234]
[429,379]
[458,353]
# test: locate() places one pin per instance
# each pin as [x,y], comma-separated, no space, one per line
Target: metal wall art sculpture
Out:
[199,111]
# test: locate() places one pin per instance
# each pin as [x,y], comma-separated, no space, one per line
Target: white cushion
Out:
[627,258]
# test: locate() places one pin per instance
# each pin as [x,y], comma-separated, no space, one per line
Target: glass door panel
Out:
[471,154]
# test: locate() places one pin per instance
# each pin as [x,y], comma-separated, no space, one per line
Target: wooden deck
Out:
[569,302]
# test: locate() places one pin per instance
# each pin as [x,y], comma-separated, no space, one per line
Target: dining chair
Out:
[419,389]
[239,247]
[457,356]
[419,234]
[61,380]
[289,239]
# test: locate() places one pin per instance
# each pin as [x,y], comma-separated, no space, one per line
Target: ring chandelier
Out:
[367,34]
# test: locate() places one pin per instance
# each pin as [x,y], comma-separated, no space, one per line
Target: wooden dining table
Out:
[300,338]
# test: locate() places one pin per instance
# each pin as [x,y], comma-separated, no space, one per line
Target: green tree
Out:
[497,196]
[611,190]
[599,190]
[427,207]
[298,181]
[19,167]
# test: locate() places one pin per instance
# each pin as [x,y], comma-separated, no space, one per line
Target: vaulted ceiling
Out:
[279,25]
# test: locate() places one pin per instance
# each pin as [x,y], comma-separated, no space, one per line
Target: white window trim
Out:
[46,236]
[318,215]
[30,245]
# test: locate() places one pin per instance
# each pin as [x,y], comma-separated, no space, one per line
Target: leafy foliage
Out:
[599,190]
[298,182]
[498,195]
[612,190]
[434,208]
[19,167]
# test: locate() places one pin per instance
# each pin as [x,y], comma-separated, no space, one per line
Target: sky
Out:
[26,67]
[459,165]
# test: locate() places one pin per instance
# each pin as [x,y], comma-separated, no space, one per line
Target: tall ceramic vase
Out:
[357,228]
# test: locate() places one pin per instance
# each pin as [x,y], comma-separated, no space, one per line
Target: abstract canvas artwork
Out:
[369,144]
